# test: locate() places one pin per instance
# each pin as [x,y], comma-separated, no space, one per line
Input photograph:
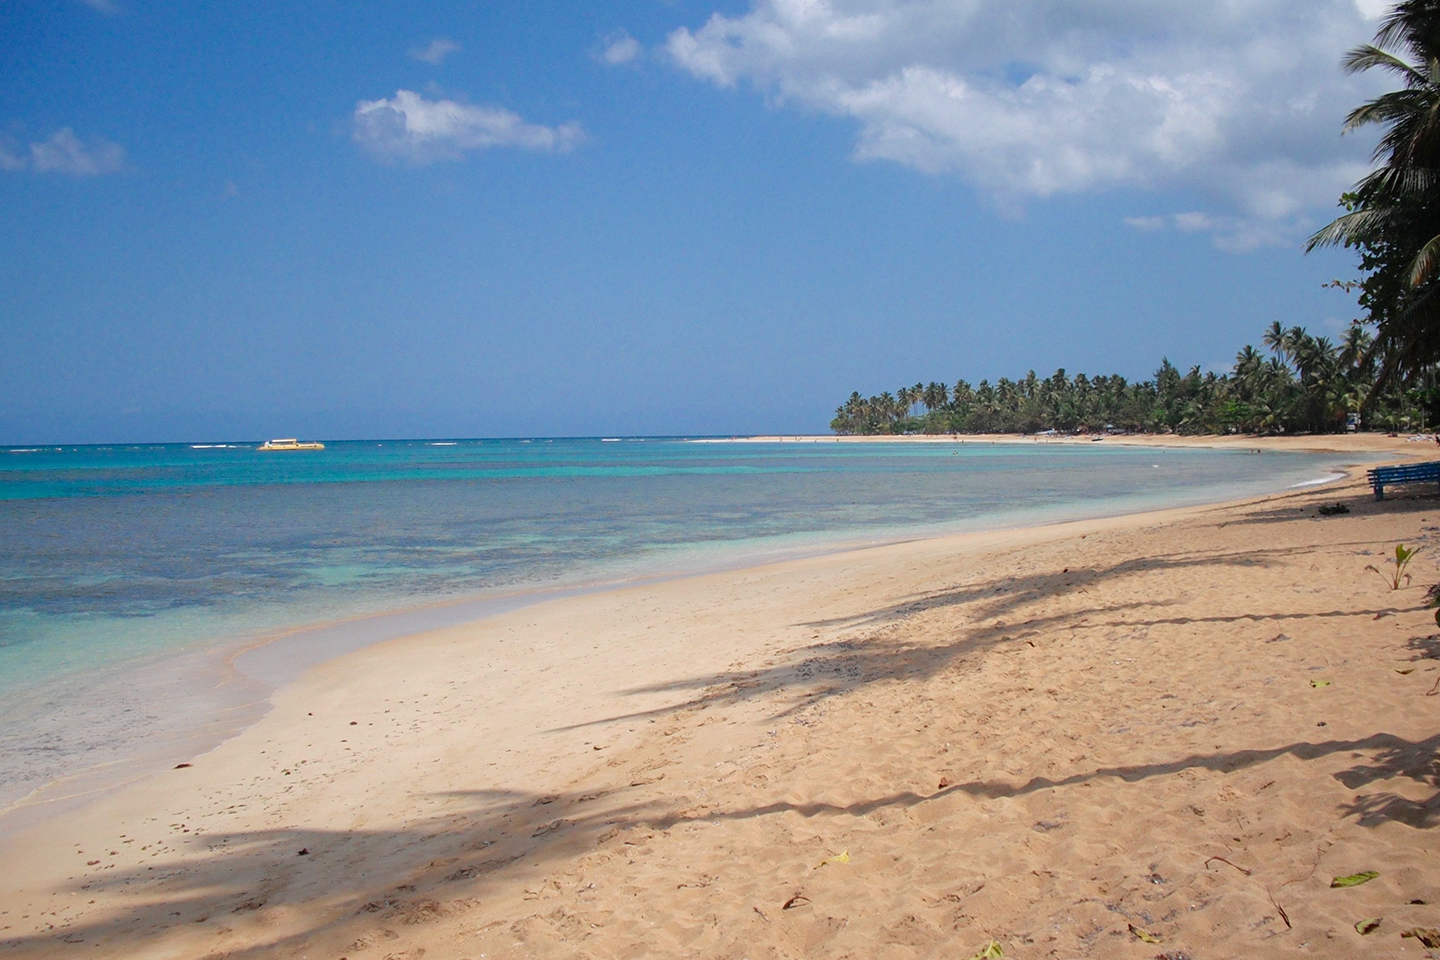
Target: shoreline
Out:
[230,684]
[589,688]
[1299,443]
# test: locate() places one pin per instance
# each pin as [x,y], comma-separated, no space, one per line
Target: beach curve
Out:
[717,738]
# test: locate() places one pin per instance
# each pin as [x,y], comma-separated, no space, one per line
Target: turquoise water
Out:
[118,558]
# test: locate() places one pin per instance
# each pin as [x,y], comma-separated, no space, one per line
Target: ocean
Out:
[129,574]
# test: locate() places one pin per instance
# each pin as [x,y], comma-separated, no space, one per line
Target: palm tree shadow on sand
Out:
[835,667]
[261,884]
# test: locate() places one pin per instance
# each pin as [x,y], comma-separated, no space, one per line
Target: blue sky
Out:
[481,219]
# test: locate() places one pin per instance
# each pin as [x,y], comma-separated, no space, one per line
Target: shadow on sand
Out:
[519,836]
[1305,505]
[997,616]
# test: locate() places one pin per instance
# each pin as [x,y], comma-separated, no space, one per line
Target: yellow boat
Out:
[290,443]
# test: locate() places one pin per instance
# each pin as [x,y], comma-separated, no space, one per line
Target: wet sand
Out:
[1177,726]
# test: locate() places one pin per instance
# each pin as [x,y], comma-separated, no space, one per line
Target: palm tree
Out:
[1394,213]
[1355,345]
[904,400]
[936,395]
[1306,383]
[1248,362]
[1276,338]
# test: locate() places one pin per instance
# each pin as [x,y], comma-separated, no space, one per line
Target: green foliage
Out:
[1306,384]
[1403,556]
[1391,216]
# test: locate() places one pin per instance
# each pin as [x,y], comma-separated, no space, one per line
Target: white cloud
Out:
[1195,222]
[1232,233]
[410,128]
[436,52]
[64,152]
[620,48]
[1238,102]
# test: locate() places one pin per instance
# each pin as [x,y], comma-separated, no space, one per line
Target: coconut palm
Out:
[1394,213]
[1276,337]
[935,396]
[1306,383]
[1355,345]
[1248,363]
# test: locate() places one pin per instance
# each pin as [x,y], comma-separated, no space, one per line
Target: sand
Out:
[1156,735]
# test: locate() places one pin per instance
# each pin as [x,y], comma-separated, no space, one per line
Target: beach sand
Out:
[1155,735]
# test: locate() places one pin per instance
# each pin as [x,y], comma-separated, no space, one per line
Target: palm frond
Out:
[1351,228]
[1369,56]
[1397,106]
[1423,266]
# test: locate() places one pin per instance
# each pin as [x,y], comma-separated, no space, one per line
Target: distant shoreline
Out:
[1300,443]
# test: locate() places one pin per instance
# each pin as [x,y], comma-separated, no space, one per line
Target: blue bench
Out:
[1380,477]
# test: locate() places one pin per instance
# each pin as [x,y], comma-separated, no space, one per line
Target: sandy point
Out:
[1161,735]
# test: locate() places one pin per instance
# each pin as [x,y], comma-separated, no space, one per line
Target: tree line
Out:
[1303,383]
[1380,375]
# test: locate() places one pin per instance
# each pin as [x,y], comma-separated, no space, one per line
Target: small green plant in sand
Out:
[1403,555]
